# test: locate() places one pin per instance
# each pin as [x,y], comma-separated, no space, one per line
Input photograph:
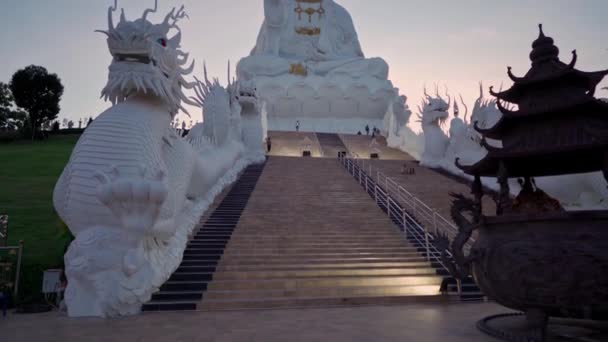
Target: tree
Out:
[10,117]
[39,93]
[90,121]
[70,124]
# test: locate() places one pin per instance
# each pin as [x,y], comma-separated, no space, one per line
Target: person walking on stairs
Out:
[366,129]
[298,126]
[268,144]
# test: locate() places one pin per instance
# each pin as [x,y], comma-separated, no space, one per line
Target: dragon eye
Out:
[162,42]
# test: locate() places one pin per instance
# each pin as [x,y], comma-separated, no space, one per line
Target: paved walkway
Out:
[416,323]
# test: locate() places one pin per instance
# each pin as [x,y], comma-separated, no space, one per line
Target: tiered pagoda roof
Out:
[552,124]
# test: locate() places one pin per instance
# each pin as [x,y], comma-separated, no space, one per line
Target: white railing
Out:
[397,201]
[419,209]
[408,224]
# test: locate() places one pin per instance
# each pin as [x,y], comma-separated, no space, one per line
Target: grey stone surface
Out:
[420,323]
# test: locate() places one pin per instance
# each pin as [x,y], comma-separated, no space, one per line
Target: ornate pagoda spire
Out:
[543,48]
[551,122]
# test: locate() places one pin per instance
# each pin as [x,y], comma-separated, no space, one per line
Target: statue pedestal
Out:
[332,104]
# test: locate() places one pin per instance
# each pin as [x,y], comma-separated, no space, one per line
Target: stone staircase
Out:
[361,146]
[185,288]
[331,144]
[468,291]
[310,237]
[291,144]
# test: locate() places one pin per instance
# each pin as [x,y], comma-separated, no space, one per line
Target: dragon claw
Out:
[135,200]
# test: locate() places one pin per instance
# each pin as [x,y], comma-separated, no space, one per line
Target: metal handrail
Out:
[418,207]
[407,223]
[405,220]
[399,191]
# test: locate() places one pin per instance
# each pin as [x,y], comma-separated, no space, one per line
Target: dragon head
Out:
[146,60]
[485,112]
[246,94]
[434,110]
[221,110]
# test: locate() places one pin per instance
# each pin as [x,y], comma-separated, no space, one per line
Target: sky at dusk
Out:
[456,43]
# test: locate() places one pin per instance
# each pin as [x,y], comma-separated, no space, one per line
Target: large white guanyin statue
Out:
[308,66]
[313,37]
[133,189]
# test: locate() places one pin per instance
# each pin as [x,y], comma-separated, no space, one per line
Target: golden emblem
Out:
[298,69]
[310,11]
[308,31]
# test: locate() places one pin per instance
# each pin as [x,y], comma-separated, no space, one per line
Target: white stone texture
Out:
[336,89]
[133,189]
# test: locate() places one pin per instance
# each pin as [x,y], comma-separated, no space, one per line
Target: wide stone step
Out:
[324,244]
[202,257]
[324,292]
[317,250]
[296,274]
[197,269]
[170,306]
[191,276]
[318,261]
[321,238]
[237,241]
[307,266]
[172,296]
[210,239]
[236,255]
[199,263]
[281,229]
[184,286]
[319,302]
[291,284]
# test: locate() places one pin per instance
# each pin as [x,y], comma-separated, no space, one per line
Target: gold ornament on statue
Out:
[298,69]
[309,11]
[308,31]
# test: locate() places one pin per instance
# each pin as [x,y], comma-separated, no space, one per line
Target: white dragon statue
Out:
[485,112]
[221,114]
[465,141]
[584,191]
[433,115]
[133,189]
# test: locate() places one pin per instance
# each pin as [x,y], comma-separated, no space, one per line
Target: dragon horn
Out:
[169,16]
[228,73]
[111,11]
[466,108]
[150,10]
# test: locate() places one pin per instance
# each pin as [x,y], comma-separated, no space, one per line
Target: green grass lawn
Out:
[28,173]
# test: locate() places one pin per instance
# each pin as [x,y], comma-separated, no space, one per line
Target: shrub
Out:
[9,136]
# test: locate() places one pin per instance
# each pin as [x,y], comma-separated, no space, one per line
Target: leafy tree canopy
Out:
[11,118]
[38,92]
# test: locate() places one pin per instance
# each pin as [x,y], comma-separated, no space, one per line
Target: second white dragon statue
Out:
[433,115]
[133,189]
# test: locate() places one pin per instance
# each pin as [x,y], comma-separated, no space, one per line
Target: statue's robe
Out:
[321,44]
